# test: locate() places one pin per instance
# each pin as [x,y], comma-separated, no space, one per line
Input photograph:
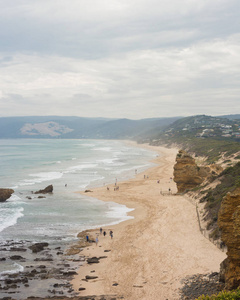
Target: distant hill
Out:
[203,135]
[77,127]
[231,117]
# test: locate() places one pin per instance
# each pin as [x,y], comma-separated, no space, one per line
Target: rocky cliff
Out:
[229,223]
[5,194]
[187,174]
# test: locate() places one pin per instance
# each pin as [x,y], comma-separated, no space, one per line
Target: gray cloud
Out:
[123,58]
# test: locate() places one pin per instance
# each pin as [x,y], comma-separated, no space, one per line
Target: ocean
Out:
[28,165]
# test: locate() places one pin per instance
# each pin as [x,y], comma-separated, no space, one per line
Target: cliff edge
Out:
[187,174]
[229,223]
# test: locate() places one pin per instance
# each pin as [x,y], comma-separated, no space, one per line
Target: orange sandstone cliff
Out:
[229,223]
[187,174]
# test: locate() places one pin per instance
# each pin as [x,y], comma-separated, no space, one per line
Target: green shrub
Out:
[225,295]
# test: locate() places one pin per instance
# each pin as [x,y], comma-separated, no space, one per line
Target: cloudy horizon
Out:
[119,59]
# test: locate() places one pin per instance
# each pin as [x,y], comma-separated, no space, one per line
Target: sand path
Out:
[151,253]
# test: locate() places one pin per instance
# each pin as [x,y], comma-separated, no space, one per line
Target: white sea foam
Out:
[107,160]
[87,145]
[9,217]
[119,212]
[140,167]
[15,268]
[107,149]
[82,167]
[40,177]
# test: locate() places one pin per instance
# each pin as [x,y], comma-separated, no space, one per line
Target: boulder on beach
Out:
[5,194]
[48,189]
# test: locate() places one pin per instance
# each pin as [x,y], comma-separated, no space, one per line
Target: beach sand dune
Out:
[150,254]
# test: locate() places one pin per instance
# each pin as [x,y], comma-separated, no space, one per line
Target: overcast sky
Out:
[123,59]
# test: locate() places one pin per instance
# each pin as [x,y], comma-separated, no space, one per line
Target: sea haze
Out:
[32,164]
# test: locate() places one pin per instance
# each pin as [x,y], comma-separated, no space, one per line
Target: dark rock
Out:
[48,189]
[5,194]
[43,259]
[42,267]
[88,191]
[41,197]
[16,257]
[90,277]
[81,289]
[38,247]
[2,259]
[18,249]
[29,198]
[93,260]
[69,273]
[115,284]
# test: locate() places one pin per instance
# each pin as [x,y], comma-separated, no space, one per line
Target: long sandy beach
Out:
[149,255]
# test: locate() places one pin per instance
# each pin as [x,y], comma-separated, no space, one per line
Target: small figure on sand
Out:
[107,188]
[169,191]
[101,230]
[96,241]
[87,238]
[104,233]
[111,234]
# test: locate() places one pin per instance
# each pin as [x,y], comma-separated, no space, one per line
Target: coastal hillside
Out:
[211,137]
[79,128]
[211,143]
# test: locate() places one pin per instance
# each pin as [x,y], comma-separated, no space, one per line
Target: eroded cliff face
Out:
[229,223]
[187,174]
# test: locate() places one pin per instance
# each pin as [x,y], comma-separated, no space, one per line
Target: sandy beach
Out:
[151,254]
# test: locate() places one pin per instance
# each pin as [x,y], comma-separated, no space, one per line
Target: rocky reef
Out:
[48,189]
[229,223]
[187,174]
[5,194]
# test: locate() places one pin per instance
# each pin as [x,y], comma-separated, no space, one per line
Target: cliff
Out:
[229,223]
[187,174]
[5,194]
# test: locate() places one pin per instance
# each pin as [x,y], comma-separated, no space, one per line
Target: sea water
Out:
[28,165]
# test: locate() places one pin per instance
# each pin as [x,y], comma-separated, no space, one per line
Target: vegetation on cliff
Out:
[229,181]
[225,295]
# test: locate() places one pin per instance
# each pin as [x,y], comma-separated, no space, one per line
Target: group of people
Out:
[104,233]
[115,189]
[101,232]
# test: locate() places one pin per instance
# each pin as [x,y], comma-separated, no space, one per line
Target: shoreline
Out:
[51,264]
[149,255]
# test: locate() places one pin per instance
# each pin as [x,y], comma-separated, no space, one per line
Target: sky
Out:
[119,58]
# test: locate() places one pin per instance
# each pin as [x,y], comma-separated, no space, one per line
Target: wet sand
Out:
[150,255]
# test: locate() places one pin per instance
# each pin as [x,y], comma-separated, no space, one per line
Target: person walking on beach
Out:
[96,241]
[111,234]
[101,230]
[87,238]
[104,233]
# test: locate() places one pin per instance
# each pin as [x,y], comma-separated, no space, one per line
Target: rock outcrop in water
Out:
[229,223]
[187,174]
[48,189]
[5,194]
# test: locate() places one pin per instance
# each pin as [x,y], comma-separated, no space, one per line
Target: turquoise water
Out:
[29,165]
